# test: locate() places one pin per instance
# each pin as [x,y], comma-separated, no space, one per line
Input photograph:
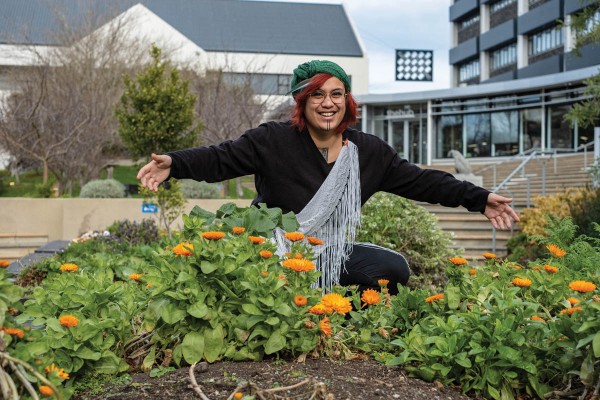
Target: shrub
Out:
[199,190]
[533,220]
[585,211]
[135,233]
[103,188]
[400,225]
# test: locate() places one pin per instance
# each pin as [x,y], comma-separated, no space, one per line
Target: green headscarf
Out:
[304,72]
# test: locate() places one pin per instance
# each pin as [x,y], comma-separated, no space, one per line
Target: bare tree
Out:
[61,112]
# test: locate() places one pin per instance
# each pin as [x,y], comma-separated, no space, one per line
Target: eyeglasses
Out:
[319,96]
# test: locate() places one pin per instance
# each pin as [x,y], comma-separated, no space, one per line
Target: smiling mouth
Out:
[327,114]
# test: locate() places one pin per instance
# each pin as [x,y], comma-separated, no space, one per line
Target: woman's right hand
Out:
[155,172]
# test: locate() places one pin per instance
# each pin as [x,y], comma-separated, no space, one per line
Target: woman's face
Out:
[325,108]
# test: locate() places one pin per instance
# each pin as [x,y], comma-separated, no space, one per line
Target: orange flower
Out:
[472,272]
[14,332]
[521,282]
[265,253]
[556,251]
[582,286]
[135,277]
[314,241]
[435,297]
[570,311]
[318,309]
[294,236]
[4,263]
[213,235]
[68,320]
[458,260]
[336,302]
[46,390]
[325,326]
[550,268]
[383,282]
[536,318]
[573,300]
[69,267]
[298,256]
[264,273]
[536,268]
[517,266]
[238,395]
[370,297]
[60,372]
[299,265]
[282,277]
[489,256]
[183,249]
[300,301]
[256,239]
[238,230]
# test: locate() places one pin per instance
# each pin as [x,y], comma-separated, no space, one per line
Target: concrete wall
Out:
[66,219]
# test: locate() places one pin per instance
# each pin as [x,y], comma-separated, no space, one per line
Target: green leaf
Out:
[150,359]
[251,309]
[214,343]
[453,297]
[586,373]
[275,342]
[192,347]
[208,267]
[87,354]
[198,309]
[272,321]
[493,392]
[172,314]
[596,345]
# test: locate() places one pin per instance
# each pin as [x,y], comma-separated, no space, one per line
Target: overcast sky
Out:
[387,25]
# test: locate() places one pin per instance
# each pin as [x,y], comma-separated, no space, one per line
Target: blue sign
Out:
[149,208]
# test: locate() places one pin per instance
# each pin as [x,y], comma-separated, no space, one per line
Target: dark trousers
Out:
[369,263]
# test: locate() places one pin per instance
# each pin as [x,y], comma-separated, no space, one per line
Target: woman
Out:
[321,169]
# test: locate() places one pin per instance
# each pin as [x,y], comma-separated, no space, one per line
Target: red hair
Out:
[299,119]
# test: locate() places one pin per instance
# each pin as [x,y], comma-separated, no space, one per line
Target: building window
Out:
[268,84]
[468,71]
[500,5]
[536,3]
[503,57]
[545,41]
[470,21]
[468,28]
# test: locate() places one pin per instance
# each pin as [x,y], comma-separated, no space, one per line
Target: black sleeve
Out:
[230,159]
[432,186]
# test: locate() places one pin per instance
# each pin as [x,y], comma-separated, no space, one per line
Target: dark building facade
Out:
[514,76]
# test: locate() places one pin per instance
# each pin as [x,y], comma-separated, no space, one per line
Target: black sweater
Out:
[288,169]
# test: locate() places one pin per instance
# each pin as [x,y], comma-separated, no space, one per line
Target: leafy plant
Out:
[103,188]
[199,190]
[170,201]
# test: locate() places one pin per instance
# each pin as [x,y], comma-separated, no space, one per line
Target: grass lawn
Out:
[31,181]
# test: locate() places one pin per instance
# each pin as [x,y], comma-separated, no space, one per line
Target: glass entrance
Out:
[408,139]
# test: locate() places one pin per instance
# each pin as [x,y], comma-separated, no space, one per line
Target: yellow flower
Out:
[265,253]
[314,241]
[582,286]
[458,260]
[20,333]
[294,236]
[383,282]
[183,249]
[556,251]
[536,318]
[570,311]
[300,300]
[318,309]
[135,277]
[68,320]
[69,267]
[489,256]
[521,282]
[60,372]
[4,263]
[299,265]
[46,390]
[325,326]
[256,239]
[336,302]
[472,272]
[370,297]
[238,230]
[550,268]
[212,235]
[573,300]
[435,297]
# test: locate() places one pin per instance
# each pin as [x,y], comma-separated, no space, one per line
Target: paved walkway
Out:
[48,250]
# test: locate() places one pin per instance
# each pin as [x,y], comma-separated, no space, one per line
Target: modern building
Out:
[514,76]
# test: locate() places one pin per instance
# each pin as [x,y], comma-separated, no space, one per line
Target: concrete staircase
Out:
[15,245]
[474,234]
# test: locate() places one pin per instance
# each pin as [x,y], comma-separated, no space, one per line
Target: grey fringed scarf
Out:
[332,215]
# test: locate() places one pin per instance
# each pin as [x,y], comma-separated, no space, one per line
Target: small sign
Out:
[414,65]
[149,208]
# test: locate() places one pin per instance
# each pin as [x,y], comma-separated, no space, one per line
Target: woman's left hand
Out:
[499,211]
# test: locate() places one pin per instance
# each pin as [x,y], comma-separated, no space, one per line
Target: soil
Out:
[314,379]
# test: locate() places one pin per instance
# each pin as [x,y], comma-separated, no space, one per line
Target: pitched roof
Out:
[214,25]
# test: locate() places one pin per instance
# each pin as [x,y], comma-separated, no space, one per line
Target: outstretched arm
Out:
[155,172]
[499,212]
